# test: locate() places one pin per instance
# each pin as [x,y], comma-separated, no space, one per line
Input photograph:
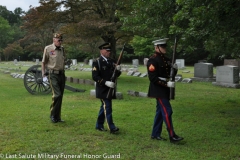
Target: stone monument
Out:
[135,62]
[180,63]
[203,72]
[227,76]
[233,62]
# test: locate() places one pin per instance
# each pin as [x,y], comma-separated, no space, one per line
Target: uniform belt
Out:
[164,79]
[56,71]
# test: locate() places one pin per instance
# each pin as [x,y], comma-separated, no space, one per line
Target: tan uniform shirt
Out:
[54,58]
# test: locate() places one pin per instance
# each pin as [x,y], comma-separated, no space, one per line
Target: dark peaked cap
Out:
[106,45]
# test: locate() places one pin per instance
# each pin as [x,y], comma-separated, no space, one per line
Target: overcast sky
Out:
[11,5]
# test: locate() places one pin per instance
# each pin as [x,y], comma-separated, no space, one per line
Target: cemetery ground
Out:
[207,116]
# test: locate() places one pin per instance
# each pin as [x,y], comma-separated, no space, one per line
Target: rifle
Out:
[114,78]
[172,73]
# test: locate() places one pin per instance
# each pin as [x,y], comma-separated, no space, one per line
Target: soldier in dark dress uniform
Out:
[53,62]
[102,71]
[159,68]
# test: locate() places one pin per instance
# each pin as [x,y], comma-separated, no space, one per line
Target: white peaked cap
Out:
[160,41]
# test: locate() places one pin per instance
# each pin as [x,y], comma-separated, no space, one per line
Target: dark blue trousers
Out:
[105,113]
[163,113]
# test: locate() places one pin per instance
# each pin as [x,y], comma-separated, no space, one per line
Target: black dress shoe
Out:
[114,130]
[175,138]
[53,120]
[101,129]
[159,138]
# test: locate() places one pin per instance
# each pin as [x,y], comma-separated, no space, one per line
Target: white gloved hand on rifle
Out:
[171,84]
[110,84]
[118,67]
[175,66]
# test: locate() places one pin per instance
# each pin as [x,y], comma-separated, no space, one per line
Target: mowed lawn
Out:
[207,116]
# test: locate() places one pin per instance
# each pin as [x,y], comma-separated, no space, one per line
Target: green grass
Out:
[206,116]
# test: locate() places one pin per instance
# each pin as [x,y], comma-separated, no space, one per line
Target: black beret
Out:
[106,45]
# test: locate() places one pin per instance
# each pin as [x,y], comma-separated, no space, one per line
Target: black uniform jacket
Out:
[102,71]
[158,66]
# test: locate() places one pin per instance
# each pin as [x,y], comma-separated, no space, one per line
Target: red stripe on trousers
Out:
[167,119]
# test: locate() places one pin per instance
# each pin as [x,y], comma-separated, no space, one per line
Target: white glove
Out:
[45,81]
[110,84]
[171,84]
[118,67]
[175,66]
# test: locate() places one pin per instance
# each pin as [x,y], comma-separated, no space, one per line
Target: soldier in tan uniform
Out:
[53,63]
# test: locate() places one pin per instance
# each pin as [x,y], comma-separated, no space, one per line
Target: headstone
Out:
[203,70]
[37,61]
[89,81]
[233,62]
[74,61]
[119,95]
[85,61]
[90,62]
[92,92]
[15,61]
[187,80]
[227,76]
[76,80]
[135,62]
[180,63]
[70,79]
[142,94]
[133,93]
[178,75]
[130,73]
[136,74]
[178,79]
[133,69]
[145,60]
[143,75]
[22,76]
[81,81]
[16,75]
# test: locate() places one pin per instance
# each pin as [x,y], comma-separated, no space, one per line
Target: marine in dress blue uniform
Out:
[102,71]
[53,63]
[159,67]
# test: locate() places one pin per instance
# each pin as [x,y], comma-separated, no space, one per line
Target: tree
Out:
[13,51]
[150,20]
[6,33]
[210,25]
[80,20]
[11,17]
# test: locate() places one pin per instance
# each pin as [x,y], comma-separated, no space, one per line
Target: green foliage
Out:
[75,52]
[212,25]
[143,46]
[6,32]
